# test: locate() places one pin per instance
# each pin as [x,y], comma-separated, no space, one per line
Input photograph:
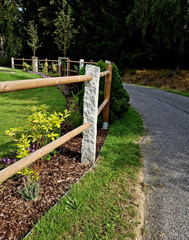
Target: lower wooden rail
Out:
[102,106]
[24,162]
[18,64]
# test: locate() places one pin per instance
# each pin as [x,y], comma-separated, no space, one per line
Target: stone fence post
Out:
[108,62]
[35,64]
[90,110]
[59,66]
[12,62]
[81,63]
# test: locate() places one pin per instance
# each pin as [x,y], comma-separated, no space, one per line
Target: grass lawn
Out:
[15,107]
[103,204]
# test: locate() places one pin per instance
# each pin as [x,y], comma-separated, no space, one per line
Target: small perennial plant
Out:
[42,128]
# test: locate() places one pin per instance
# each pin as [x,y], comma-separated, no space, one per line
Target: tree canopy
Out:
[133,33]
[10,26]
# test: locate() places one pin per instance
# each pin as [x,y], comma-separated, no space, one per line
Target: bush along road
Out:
[166,159]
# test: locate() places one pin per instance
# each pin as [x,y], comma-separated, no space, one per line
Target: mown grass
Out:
[15,107]
[102,205]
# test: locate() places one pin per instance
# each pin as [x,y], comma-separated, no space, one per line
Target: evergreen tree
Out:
[10,26]
[164,24]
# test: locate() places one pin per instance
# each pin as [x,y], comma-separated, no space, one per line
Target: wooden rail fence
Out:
[65,65]
[90,114]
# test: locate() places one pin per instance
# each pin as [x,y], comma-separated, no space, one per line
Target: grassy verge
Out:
[177,92]
[162,79]
[15,107]
[164,89]
[102,205]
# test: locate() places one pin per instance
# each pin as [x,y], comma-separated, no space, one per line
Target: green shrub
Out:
[42,128]
[119,97]
[26,66]
[5,61]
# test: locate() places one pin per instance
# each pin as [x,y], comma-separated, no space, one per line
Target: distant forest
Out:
[132,33]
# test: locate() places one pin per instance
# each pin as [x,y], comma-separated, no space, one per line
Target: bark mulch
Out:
[18,216]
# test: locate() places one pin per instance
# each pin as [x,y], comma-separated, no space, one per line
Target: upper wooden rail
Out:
[23,59]
[71,61]
[12,86]
[47,60]
[90,62]
[24,162]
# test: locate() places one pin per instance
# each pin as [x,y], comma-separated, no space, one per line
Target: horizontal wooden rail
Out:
[12,86]
[102,106]
[25,162]
[43,60]
[18,65]
[73,61]
[90,62]
[44,67]
[102,74]
[26,59]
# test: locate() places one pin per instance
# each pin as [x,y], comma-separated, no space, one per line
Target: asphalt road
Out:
[166,159]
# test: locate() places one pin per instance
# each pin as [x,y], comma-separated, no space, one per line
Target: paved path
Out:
[166,159]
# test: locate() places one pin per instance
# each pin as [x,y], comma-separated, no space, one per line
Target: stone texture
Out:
[90,109]
[81,63]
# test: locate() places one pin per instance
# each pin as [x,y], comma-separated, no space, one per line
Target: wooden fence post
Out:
[91,61]
[12,62]
[90,111]
[46,66]
[23,63]
[107,89]
[68,67]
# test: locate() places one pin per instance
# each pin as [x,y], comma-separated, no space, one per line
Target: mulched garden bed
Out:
[17,216]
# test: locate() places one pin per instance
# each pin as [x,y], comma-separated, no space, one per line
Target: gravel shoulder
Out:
[166,158]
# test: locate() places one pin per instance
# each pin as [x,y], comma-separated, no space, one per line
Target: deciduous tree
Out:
[65,31]
[33,37]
